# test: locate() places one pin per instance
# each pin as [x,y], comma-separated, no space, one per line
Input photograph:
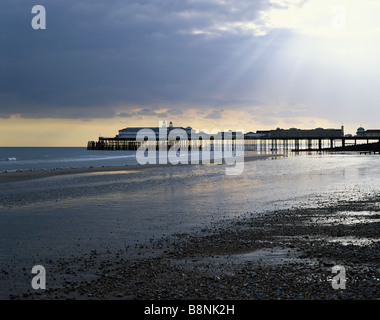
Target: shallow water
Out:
[38,158]
[70,215]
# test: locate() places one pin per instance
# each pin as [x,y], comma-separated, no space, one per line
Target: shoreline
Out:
[29,174]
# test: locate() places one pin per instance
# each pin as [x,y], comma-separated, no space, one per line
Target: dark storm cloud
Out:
[97,57]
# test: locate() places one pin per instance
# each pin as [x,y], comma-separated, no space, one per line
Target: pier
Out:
[300,144]
[293,139]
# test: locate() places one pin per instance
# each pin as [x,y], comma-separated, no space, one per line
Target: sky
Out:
[103,65]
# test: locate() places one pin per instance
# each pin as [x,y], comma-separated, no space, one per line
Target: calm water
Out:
[45,158]
[100,211]
[38,158]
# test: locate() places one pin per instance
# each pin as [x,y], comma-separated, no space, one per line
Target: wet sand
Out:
[287,253]
[282,255]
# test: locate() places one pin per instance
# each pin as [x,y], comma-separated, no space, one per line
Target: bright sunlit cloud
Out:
[344,30]
[324,18]
[349,18]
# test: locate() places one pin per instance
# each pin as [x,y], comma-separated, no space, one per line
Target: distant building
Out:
[294,133]
[360,132]
[131,133]
[263,133]
[252,135]
[371,133]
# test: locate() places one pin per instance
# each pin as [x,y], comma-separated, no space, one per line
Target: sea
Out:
[47,158]
[14,159]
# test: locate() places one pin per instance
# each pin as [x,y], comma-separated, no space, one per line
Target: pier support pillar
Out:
[309,144]
[297,144]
